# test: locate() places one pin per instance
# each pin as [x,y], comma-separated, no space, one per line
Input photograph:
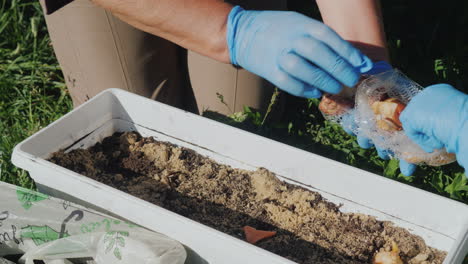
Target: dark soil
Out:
[309,228]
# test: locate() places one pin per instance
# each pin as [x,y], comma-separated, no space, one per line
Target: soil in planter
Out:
[309,228]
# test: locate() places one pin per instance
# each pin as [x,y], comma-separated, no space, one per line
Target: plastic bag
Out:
[375,108]
[5,261]
[45,228]
[109,247]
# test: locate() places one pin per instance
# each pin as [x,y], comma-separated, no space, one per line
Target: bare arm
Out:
[198,25]
[358,21]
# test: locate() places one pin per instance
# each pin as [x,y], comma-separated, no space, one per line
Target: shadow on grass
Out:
[306,142]
[304,127]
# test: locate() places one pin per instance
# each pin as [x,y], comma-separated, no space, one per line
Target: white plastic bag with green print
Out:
[57,231]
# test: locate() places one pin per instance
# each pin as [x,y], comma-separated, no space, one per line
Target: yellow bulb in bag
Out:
[375,107]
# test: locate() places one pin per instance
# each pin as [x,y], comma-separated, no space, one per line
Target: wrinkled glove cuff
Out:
[461,128]
[462,154]
[232,24]
[379,67]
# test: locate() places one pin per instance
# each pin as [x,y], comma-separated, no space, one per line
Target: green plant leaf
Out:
[28,197]
[107,237]
[120,242]
[34,26]
[437,181]
[110,246]
[273,101]
[458,183]
[290,127]
[124,233]
[391,168]
[117,253]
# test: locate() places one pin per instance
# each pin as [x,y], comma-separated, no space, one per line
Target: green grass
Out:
[32,91]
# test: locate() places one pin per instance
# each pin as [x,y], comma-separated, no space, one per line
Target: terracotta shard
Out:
[253,235]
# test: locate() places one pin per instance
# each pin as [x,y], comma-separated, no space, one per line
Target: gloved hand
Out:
[300,55]
[348,122]
[438,117]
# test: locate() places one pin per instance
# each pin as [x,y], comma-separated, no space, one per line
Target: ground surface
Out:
[228,199]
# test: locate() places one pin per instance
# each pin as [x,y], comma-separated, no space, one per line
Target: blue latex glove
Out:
[298,54]
[438,117]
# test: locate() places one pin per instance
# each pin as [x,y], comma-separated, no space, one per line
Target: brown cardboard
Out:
[96,51]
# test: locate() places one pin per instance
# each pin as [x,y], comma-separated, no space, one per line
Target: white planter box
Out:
[442,222]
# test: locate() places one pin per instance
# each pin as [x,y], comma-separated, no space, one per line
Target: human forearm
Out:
[358,21]
[198,25]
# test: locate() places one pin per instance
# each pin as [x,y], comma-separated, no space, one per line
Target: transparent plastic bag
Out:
[45,228]
[111,247]
[376,106]
[5,261]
